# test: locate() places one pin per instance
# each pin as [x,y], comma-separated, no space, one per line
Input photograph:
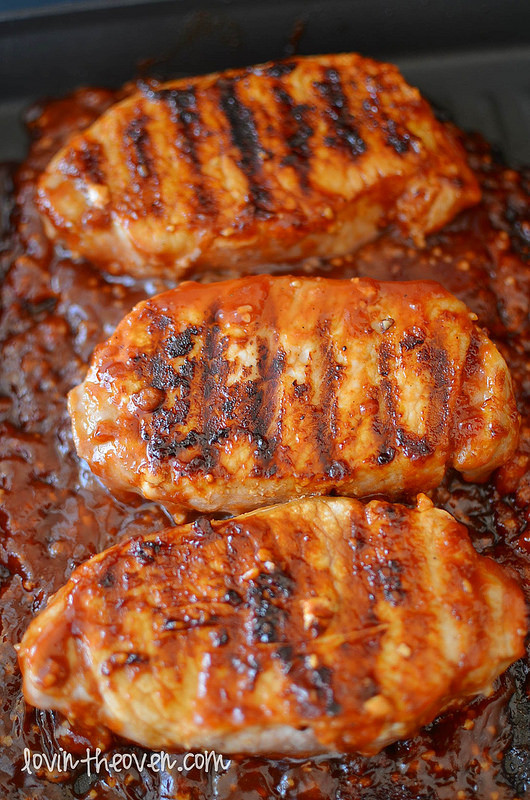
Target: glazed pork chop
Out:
[233,395]
[310,156]
[322,625]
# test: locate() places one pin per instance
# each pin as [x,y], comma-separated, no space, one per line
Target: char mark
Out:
[184,113]
[384,424]
[389,579]
[267,600]
[398,140]
[181,344]
[270,367]
[321,678]
[412,338]
[386,455]
[326,420]
[298,133]
[386,575]
[210,382]
[163,428]
[437,362]
[346,134]
[90,159]
[300,389]
[281,69]
[144,552]
[412,445]
[162,374]
[119,660]
[108,580]
[138,138]
[141,165]
[395,134]
[255,404]
[472,362]
[166,440]
[244,136]
[391,435]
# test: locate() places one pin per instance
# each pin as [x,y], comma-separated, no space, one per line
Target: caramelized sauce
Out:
[54,514]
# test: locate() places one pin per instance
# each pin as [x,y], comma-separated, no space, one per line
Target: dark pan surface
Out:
[470,56]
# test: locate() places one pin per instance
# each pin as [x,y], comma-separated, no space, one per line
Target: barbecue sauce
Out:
[54,514]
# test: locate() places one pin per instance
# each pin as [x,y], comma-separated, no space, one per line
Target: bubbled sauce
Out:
[54,514]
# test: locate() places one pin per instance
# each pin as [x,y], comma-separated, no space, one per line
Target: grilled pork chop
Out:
[238,394]
[321,625]
[310,156]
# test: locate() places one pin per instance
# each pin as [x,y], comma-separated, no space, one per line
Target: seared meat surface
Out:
[321,625]
[310,156]
[234,395]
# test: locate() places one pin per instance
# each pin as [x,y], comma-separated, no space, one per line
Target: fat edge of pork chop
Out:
[239,394]
[277,162]
[322,625]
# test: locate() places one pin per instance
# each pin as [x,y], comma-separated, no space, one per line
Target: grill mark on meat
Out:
[244,135]
[212,378]
[138,138]
[412,338]
[90,160]
[396,138]
[281,69]
[185,114]
[165,414]
[347,134]
[270,367]
[437,362]
[141,165]
[266,599]
[413,445]
[384,424]
[388,578]
[164,442]
[326,417]
[181,344]
[395,135]
[469,369]
[361,565]
[321,678]
[161,428]
[471,364]
[298,133]
[265,401]
[246,400]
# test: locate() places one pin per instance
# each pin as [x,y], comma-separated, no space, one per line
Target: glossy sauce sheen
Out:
[323,625]
[207,172]
[54,514]
[238,394]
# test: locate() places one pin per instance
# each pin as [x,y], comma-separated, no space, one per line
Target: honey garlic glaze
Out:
[54,514]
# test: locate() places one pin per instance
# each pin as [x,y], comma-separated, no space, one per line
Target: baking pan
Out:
[470,58]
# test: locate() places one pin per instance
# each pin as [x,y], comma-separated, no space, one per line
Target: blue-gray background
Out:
[10,9]
[471,57]
[21,5]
